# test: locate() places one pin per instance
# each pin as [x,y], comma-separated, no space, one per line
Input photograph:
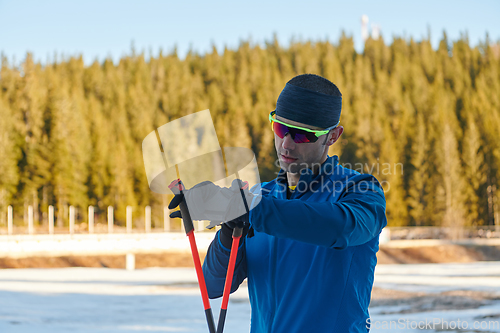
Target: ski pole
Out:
[237,233]
[189,228]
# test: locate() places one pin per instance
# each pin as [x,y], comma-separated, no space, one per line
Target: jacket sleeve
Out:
[356,218]
[215,267]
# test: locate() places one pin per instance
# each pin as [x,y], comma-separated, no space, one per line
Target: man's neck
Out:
[293,178]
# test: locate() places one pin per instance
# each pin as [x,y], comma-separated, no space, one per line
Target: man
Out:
[309,255]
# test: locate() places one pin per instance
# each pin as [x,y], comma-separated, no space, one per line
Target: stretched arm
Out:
[215,267]
[356,218]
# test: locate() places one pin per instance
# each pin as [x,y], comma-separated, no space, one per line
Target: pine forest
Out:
[425,121]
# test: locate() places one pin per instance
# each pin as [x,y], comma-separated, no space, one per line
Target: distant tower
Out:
[375,31]
[364,27]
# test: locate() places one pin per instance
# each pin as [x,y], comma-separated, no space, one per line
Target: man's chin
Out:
[290,167]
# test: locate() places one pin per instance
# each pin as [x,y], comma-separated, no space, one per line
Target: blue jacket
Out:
[311,261]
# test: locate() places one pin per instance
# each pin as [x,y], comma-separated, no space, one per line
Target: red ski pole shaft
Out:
[189,228]
[237,232]
[201,282]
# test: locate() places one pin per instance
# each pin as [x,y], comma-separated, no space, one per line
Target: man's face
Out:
[294,157]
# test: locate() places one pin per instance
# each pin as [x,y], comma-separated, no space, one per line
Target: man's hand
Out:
[207,201]
[240,202]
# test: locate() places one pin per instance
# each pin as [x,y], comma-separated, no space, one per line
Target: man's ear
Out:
[334,135]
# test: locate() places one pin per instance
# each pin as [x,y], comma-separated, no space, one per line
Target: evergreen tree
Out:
[418,192]
[475,176]
[9,176]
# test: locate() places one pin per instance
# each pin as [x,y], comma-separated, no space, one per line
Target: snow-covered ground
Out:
[446,298]
[109,300]
[167,300]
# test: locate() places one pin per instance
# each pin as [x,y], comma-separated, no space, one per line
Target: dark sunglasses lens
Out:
[298,136]
[280,129]
[304,137]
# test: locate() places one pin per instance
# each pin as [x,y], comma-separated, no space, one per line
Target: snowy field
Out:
[167,300]
[437,298]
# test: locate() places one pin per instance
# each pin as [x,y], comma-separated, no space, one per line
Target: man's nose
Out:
[288,142]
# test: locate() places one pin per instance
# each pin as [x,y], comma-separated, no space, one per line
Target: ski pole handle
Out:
[237,233]
[186,217]
[177,188]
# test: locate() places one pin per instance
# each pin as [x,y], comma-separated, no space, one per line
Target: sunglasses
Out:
[298,134]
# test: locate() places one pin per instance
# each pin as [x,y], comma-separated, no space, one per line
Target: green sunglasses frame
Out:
[318,133]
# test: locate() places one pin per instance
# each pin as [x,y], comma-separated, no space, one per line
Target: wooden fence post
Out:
[110,219]
[51,220]
[130,261]
[129,219]
[10,216]
[91,219]
[71,220]
[148,219]
[30,220]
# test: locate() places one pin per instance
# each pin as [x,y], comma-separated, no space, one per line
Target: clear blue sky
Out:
[98,29]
